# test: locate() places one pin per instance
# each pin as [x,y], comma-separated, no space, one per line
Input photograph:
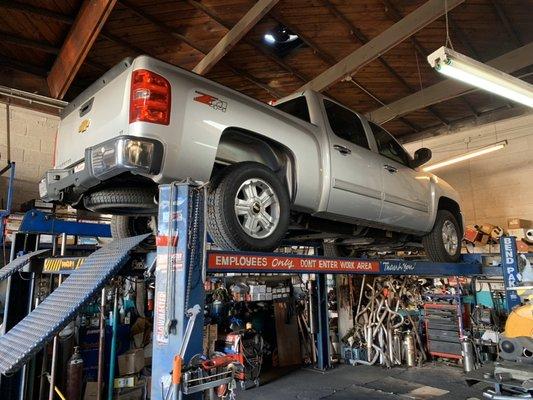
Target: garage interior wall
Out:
[495,186]
[32,148]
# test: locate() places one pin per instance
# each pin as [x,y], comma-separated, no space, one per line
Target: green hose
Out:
[113,355]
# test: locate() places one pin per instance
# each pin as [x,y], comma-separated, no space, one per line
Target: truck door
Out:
[355,170]
[406,192]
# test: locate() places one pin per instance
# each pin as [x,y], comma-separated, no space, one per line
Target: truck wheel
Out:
[123,226]
[248,208]
[443,243]
[126,200]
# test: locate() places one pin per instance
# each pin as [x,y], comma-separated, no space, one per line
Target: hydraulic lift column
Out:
[179,285]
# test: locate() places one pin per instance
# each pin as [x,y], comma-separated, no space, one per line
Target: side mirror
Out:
[422,156]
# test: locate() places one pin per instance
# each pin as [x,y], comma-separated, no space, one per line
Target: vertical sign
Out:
[509,262]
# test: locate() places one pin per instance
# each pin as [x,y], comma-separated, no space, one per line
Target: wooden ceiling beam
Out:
[506,22]
[450,88]
[179,36]
[38,11]
[23,67]
[29,43]
[461,124]
[268,53]
[83,33]
[65,19]
[235,34]
[396,15]
[383,42]
[329,60]
[359,36]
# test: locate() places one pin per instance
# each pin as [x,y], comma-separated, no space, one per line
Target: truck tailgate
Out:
[100,113]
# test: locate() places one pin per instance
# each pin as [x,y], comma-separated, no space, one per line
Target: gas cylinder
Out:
[467,349]
[409,349]
[75,376]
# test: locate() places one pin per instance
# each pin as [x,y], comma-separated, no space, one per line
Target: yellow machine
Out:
[520,322]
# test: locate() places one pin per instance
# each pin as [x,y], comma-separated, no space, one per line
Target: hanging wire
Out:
[448,38]
[418,69]
[350,79]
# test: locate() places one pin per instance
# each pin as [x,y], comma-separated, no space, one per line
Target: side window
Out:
[345,124]
[388,146]
[296,107]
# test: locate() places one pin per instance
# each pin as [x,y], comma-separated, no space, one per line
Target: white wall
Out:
[32,148]
[495,186]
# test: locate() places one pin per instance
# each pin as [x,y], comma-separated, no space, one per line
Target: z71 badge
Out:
[212,101]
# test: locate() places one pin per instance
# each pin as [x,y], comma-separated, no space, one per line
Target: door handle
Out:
[390,168]
[342,149]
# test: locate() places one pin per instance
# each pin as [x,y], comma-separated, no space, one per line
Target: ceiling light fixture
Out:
[467,156]
[475,73]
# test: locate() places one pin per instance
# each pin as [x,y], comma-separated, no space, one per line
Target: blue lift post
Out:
[179,284]
[509,264]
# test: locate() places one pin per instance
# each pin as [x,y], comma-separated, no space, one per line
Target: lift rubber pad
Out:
[18,263]
[30,335]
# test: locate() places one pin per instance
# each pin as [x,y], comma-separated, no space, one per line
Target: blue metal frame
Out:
[35,221]
[174,267]
[509,266]
[9,201]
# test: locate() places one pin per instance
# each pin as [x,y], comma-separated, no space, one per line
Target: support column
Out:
[179,285]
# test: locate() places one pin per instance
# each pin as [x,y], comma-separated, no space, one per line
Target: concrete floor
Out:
[362,382]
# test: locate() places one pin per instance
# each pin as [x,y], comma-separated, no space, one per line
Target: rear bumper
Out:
[101,163]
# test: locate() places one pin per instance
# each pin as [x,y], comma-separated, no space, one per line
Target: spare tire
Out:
[124,201]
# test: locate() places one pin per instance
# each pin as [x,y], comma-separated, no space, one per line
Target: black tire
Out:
[334,250]
[223,224]
[433,241]
[126,200]
[123,226]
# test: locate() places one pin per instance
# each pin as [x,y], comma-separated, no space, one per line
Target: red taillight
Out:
[149,98]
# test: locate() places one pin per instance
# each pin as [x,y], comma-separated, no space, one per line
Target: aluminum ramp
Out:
[30,335]
[18,263]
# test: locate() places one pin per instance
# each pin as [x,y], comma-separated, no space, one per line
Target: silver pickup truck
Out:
[305,169]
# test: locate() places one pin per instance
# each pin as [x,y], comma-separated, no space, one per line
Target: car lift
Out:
[181,265]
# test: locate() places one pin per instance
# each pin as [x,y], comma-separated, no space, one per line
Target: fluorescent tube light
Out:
[467,156]
[483,76]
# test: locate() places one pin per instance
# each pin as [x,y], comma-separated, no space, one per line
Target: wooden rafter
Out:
[235,34]
[258,46]
[182,38]
[79,41]
[383,42]
[357,35]
[330,60]
[396,16]
[449,89]
[506,22]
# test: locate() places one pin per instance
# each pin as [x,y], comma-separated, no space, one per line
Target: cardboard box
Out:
[136,393]
[515,223]
[91,391]
[131,362]
[210,337]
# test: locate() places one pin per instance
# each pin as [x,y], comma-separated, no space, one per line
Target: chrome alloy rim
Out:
[450,238]
[257,208]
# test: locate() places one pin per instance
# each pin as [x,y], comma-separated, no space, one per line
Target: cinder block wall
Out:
[32,148]
[495,186]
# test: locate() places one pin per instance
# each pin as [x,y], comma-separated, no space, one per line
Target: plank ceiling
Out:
[182,32]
